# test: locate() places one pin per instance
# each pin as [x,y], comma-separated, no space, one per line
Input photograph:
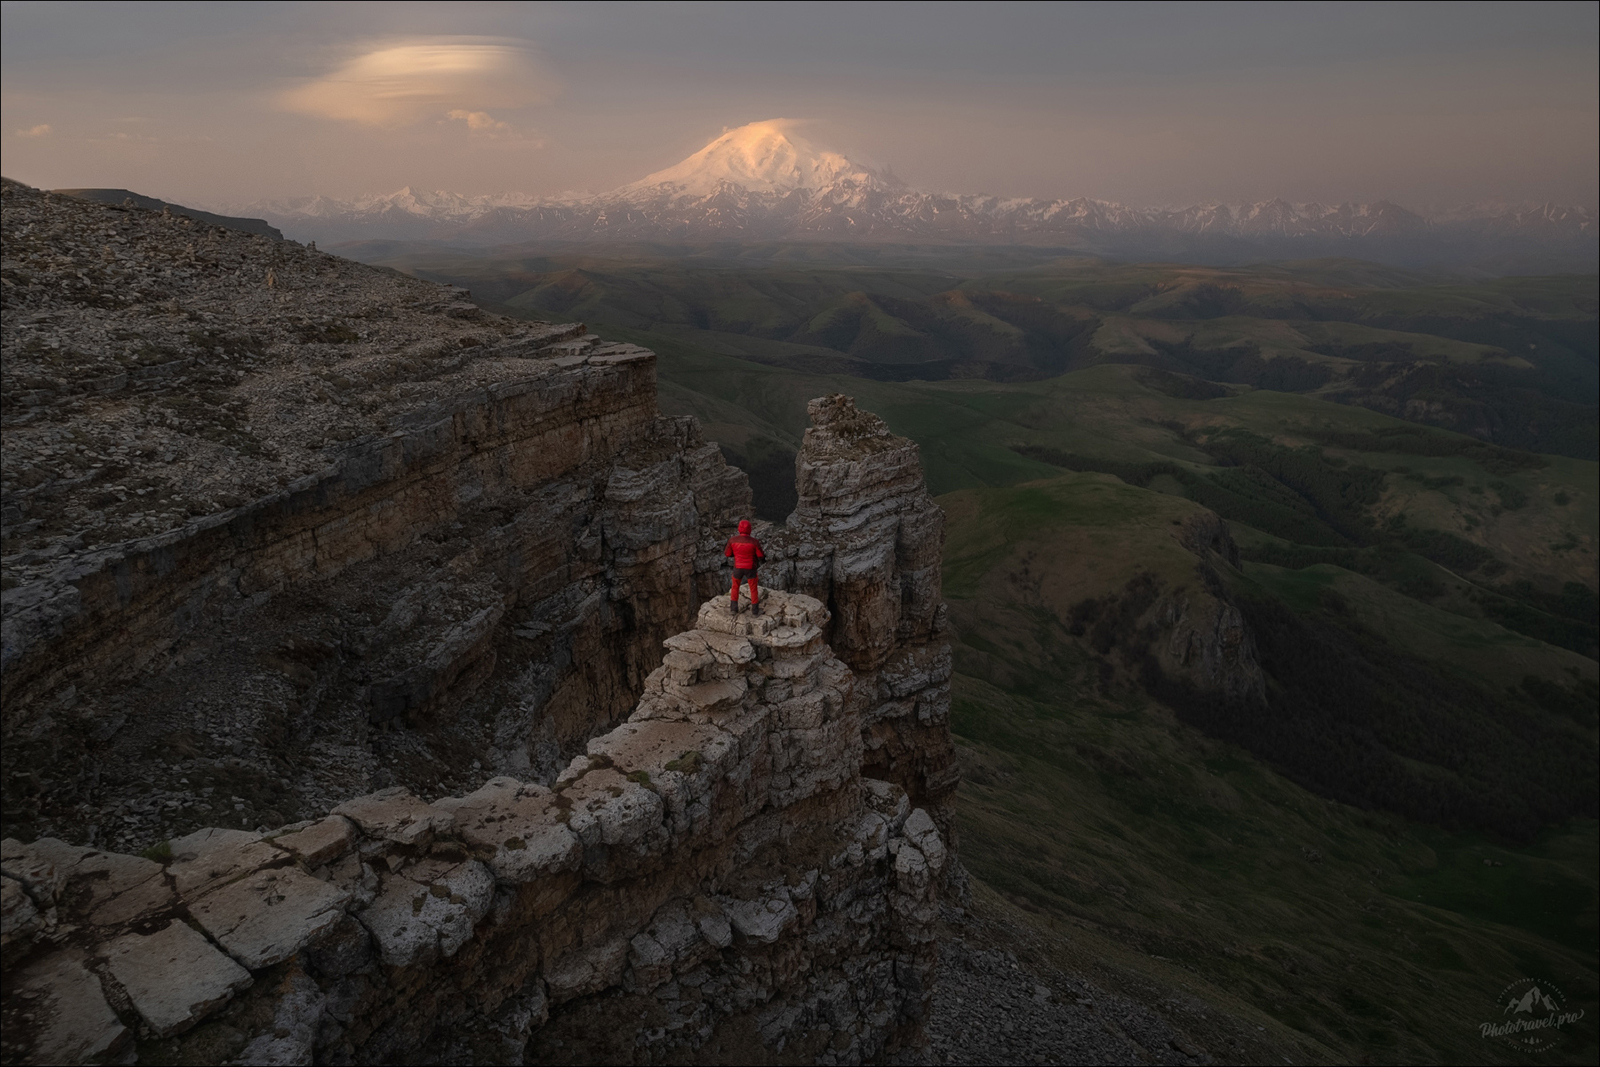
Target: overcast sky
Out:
[1430,105]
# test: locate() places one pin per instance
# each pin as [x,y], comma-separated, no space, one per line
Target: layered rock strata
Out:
[350,545]
[390,540]
[712,879]
[867,540]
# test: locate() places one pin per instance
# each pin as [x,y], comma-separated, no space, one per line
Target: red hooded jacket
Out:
[745,550]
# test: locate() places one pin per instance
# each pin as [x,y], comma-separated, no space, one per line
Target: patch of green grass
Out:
[161,852]
[1540,889]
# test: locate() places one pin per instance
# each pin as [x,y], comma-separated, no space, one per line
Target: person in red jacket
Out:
[747,556]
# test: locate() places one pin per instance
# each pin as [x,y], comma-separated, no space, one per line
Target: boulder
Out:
[20,921]
[428,911]
[762,920]
[587,969]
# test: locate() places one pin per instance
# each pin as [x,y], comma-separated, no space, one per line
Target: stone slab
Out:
[720,695]
[518,830]
[174,977]
[650,744]
[321,842]
[395,815]
[270,915]
[105,888]
[212,857]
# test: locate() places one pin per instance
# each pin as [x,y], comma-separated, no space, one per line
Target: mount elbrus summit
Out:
[765,182]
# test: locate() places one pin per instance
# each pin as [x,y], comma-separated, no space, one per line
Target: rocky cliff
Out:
[229,584]
[399,652]
[712,880]
[867,540]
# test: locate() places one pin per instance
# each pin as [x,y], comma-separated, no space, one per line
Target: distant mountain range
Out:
[764,182]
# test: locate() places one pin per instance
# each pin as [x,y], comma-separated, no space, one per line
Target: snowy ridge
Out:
[764,181]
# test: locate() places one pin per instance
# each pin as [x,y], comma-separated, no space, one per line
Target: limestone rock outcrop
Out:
[867,540]
[416,569]
[393,632]
[716,868]
[1201,638]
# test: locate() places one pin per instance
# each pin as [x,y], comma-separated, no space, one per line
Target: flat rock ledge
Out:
[716,868]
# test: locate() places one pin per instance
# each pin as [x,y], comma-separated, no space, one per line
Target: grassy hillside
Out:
[1115,820]
[1095,808]
[1379,940]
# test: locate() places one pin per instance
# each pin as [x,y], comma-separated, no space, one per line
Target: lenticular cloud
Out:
[409,82]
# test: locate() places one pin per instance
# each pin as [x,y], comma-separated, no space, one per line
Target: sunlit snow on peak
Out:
[765,157]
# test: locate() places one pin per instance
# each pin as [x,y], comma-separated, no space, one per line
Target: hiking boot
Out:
[733,607]
[755,609]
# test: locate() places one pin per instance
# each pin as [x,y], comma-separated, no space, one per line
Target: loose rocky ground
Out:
[159,371]
[158,368]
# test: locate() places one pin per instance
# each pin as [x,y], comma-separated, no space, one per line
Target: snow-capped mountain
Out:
[763,157]
[766,182]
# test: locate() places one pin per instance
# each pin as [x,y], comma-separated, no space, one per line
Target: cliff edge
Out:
[394,633]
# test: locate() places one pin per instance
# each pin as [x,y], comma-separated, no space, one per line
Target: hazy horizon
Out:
[1148,104]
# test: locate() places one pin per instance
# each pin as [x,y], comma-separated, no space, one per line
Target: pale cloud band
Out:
[402,83]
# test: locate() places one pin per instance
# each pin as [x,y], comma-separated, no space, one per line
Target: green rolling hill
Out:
[1515,361]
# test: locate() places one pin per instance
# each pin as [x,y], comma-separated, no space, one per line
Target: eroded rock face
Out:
[867,540]
[471,576]
[714,868]
[268,680]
